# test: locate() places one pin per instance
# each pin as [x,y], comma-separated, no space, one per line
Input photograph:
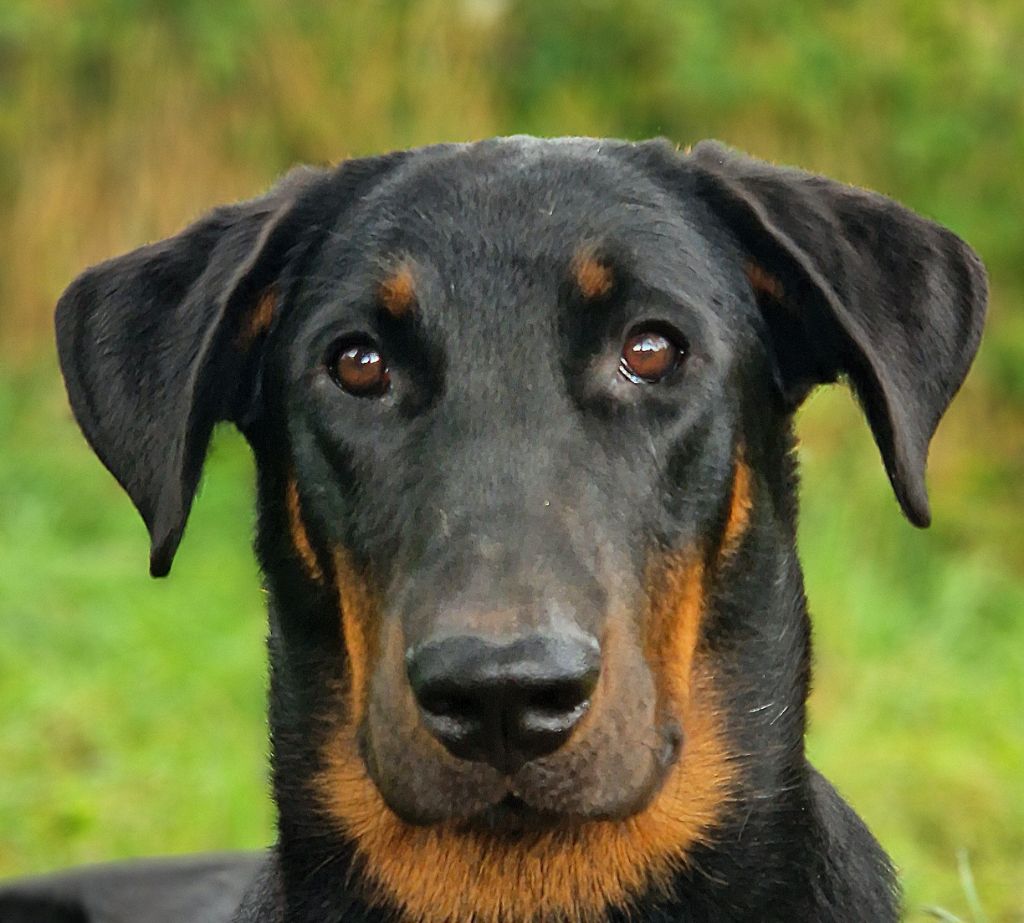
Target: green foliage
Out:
[919,673]
[133,711]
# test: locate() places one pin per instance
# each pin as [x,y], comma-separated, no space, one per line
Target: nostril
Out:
[550,700]
[452,705]
[558,698]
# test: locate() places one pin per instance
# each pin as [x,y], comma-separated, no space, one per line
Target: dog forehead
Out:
[513,165]
[523,201]
[528,193]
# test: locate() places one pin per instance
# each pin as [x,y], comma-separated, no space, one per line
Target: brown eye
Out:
[360,369]
[648,357]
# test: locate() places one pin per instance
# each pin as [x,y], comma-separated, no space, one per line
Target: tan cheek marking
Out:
[300,537]
[397,293]
[594,278]
[443,875]
[740,504]
[357,612]
[763,283]
[676,588]
[258,320]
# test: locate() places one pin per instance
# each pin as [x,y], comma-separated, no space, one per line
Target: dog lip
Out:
[672,738]
[513,816]
[511,810]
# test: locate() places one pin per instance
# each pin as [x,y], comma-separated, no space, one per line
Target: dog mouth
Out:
[513,818]
[555,793]
[517,814]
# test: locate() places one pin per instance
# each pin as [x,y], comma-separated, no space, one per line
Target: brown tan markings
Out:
[258,320]
[593,277]
[358,612]
[440,874]
[740,504]
[763,282]
[300,537]
[397,292]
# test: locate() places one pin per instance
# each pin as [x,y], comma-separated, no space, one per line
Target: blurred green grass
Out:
[131,711]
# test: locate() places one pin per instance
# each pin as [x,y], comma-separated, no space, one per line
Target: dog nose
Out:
[504,704]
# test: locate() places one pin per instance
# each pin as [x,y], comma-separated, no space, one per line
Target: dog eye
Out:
[649,356]
[360,369]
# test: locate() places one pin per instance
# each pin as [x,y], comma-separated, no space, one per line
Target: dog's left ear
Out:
[852,283]
[159,345]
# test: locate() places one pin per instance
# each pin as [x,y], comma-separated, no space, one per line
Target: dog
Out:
[522,415]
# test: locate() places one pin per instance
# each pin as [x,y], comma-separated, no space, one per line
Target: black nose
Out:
[504,704]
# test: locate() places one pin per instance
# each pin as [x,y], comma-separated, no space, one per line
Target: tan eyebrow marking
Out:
[594,278]
[397,292]
[763,282]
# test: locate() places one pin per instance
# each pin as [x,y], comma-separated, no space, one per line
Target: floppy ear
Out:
[855,284]
[155,347]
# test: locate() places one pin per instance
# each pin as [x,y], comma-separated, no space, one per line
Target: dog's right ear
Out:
[160,345]
[155,349]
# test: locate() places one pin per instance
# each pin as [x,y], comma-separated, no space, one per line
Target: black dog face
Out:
[542,393]
[521,412]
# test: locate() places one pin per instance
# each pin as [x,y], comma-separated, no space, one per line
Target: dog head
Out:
[521,412]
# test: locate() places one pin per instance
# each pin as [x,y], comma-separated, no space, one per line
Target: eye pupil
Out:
[648,357]
[360,369]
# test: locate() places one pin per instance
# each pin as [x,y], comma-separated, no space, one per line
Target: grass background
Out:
[131,711]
